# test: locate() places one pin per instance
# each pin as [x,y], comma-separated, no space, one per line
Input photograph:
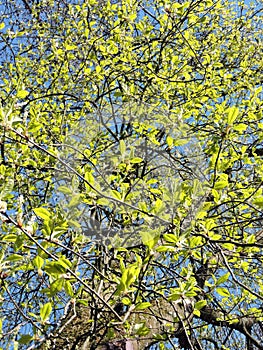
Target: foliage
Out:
[131,174]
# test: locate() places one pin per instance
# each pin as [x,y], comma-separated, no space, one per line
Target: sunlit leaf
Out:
[232,114]
[143,306]
[223,292]
[43,213]
[22,93]
[45,311]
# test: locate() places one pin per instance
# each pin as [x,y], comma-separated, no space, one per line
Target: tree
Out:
[131,174]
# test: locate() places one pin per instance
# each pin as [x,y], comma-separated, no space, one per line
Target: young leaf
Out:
[45,311]
[122,147]
[170,238]
[22,94]
[149,238]
[222,279]
[200,304]
[232,115]
[143,306]
[136,160]
[68,288]
[169,141]
[223,292]
[38,262]
[43,213]
[14,257]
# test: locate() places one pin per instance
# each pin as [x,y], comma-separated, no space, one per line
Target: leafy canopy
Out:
[131,171]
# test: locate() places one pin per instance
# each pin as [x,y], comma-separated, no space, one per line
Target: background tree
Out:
[131,174]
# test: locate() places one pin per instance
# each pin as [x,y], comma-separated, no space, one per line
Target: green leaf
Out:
[10,238]
[241,127]
[22,94]
[195,241]
[129,276]
[25,339]
[180,142]
[56,286]
[190,293]
[170,238]
[69,47]
[126,301]
[38,262]
[143,306]
[14,257]
[122,286]
[136,160]
[175,296]
[258,201]
[196,312]
[2,25]
[149,238]
[68,288]
[116,194]
[45,311]
[214,236]
[89,177]
[7,188]
[122,147]
[43,213]
[54,268]
[221,184]
[142,206]
[166,248]
[200,304]
[103,201]
[64,262]
[169,141]
[232,115]
[158,206]
[19,243]
[229,246]
[223,292]
[98,69]
[64,189]
[140,329]
[75,200]
[222,279]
